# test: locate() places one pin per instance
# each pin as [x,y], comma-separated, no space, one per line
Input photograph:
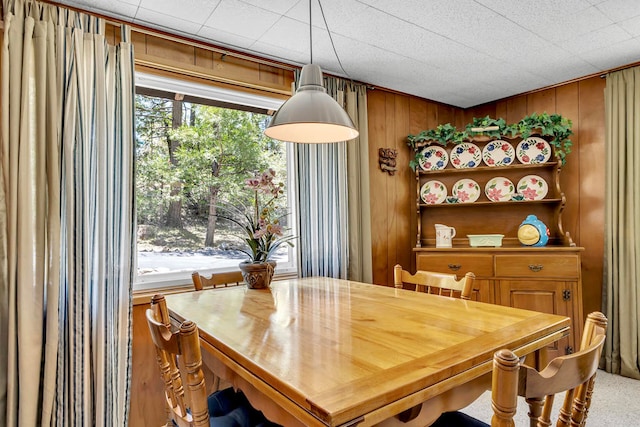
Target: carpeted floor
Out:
[616,403]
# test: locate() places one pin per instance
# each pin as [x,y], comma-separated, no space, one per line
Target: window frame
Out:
[227,98]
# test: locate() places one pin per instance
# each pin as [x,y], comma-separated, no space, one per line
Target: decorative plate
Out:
[433,192]
[498,153]
[466,190]
[533,150]
[466,155]
[434,158]
[499,189]
[532,187]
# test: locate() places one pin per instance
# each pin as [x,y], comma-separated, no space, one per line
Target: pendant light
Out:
[310,115]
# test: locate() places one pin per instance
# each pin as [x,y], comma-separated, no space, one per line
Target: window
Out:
[195,147]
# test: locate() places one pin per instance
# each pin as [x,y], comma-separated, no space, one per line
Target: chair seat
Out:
[230,408]
[457,419]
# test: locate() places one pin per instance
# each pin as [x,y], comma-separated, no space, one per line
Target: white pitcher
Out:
[444,235]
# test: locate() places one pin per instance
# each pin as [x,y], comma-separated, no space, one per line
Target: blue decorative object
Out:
[533,232]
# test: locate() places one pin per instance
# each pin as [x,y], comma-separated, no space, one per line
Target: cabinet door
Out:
[544,296]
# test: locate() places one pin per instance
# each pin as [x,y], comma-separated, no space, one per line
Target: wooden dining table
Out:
[328,352]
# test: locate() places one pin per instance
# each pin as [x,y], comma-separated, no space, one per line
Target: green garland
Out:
[544,124]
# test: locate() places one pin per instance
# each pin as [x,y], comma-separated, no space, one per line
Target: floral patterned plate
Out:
[466,190]
[498,153]
[533,150]
[433,192]
[466,155]
[499,189]
[434,158]
[532,187]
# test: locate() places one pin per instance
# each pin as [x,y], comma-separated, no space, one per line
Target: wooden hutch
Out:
[545,278]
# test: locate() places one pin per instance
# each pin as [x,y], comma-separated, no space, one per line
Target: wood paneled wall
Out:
[147,390]
[394,116]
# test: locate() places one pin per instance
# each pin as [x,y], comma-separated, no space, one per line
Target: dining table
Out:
[320,351]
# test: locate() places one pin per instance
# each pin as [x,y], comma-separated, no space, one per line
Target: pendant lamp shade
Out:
[310,115]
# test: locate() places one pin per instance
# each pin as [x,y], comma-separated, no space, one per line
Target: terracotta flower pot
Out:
[257,275]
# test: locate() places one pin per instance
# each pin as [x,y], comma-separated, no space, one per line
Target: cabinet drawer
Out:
[536,265]
[480,265]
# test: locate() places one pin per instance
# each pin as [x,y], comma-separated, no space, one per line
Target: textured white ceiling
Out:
[460,52]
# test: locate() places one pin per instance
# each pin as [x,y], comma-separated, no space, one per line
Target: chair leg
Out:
[504,398]
[564,418]
[535,410]
[544,420]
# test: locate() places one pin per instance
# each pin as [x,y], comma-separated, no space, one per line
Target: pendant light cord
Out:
[311,34]
[333,46]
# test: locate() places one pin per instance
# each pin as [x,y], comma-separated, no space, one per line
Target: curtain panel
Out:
[621,297]
[66,217]
[333,196]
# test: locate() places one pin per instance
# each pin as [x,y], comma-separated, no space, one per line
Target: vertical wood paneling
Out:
[432,115]
[403,191]
[501,110]
[393,198]
[516,109]
[392,201]
[592,173]
[541,102]
[417,115]
[567,105]
[446,114]
[147,390]
[376,106]
[421,113]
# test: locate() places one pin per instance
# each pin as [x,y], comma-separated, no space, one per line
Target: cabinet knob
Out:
[535,267]
[454,267]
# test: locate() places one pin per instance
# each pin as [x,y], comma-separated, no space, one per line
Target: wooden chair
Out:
[573,374]
[435,283]
[170,345]
[217,280]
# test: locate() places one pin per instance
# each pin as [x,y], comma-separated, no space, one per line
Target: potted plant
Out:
[263,231]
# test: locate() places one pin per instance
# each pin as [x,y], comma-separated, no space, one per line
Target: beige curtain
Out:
[66,219]
[333,196]
[360,264]
[622,223]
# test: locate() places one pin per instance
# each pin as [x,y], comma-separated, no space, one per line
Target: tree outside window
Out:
[191,159]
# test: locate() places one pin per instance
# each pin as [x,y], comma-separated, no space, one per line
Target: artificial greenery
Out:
[483,123]
[554,125]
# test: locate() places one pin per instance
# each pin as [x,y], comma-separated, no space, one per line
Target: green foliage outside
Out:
[216,149]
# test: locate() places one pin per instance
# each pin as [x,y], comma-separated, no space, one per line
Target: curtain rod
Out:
[603,74]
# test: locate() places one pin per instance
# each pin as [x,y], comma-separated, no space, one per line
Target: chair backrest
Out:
[217,280]
[573,374]
[180,360]
[435,283]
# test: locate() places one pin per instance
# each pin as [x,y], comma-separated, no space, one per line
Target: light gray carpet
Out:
[616,403]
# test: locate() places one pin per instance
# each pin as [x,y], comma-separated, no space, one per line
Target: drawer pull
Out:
[454,267]
[535,267]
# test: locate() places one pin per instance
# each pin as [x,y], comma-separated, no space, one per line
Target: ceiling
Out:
[459,52]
